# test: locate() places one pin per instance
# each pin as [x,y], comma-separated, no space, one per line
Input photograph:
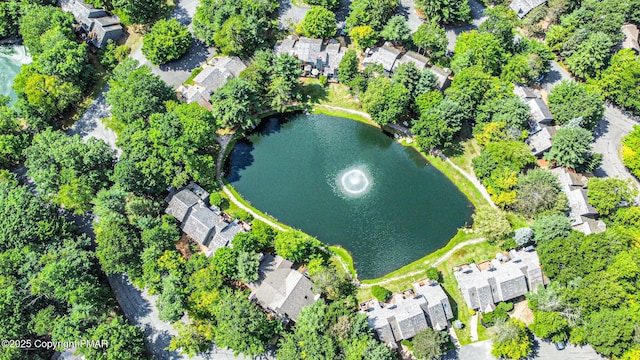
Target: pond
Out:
[11,58]
[349,184]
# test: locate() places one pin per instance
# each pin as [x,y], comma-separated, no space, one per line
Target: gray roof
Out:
[539,111]
[331,56]
[540,141]
[630,41]
[180,203]
[409,312]
[505,280]
[442,77]
[285,46]
[384,55]
[418,60]
[203,224]
[522,7]
[97,23]
[280,288]
[525,92]
[590,226]
[213,77]
[307,49]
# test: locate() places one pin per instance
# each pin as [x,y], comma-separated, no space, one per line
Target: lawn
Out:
[471,149]
[333,94]
[346,258]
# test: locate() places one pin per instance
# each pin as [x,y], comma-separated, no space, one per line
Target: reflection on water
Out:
[11,58]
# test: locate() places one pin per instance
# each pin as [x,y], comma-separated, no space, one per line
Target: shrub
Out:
[523,236]
[216,199]
[380,293]
[496,315]
[433,274]
[167,41]
[323,80]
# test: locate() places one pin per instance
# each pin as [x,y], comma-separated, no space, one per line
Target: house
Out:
[281,289]
[418,60]
[95,25]
[212,77]
[540,113]
[630,41]
[442,77]
[582,214]
[409,312]
[385,56]
[522,7]
[539,139]
[316,58]
[504,278]
[205,225]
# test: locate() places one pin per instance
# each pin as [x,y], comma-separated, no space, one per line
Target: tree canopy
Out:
[570,100]
[445,11]
[168,40]
[571,148]
[318,23]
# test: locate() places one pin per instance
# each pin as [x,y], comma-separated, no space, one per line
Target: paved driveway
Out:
[556,74]
[90,123]
[289,15]
[541,350]
[176,72]
[408,10]
[477,14]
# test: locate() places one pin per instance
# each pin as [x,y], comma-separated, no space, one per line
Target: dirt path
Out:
[437,263]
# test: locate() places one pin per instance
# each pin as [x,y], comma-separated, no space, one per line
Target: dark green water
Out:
[391,208]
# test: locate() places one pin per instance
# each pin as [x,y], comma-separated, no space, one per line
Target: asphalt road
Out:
[477,13]
[289,15]
[541,351]
[90,123]
[408,10]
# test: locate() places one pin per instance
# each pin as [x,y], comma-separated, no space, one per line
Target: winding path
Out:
[438,262]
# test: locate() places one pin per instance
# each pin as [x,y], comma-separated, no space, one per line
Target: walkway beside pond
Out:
[436,263]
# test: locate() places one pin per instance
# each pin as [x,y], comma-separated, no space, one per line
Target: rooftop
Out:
[539,111]
[418,60]
[522,7]
[630,41]
[384,55]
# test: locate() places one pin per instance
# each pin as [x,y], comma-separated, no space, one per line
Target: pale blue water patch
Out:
[11,58]
[347,183]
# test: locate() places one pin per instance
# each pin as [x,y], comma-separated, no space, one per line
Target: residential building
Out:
[205,225]
[281,289]
[420,61]
[539,111]
[539,139]
[584,217]
[385,56]
[409,312]
[630,41]
[213,76]
[442,77]
[522,7]
[96,26]
[504,278]
[317,58]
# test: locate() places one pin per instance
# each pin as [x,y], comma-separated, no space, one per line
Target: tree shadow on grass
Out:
[314,93]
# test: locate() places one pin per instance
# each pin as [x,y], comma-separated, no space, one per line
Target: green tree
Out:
[610,331]
[373,13]
[513,155]
[348,67]
[438,125]
[445,11]
[396,30]
[380,293]
[511,340]
[248,267]
[64,59]
[69,170]
[12,139]
[318,23]
[295,245]
[32,27]
[539,191]
[499,22]
[225,260]
[140,11]
[491,223]
[478,48]
[608,194]
[171,302]
[126,341]
[385,101]
[233,104]
[550,325]
[631,151]
[572,149]
[118,246]
[523,236]
[168,40]
[431,38]
[591,56]
[550,227]
[309,337]
[363,36]
[242,326]
[429,344]
[570,100]
[329,4]
[620,82]
[136,93]
[510,110]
